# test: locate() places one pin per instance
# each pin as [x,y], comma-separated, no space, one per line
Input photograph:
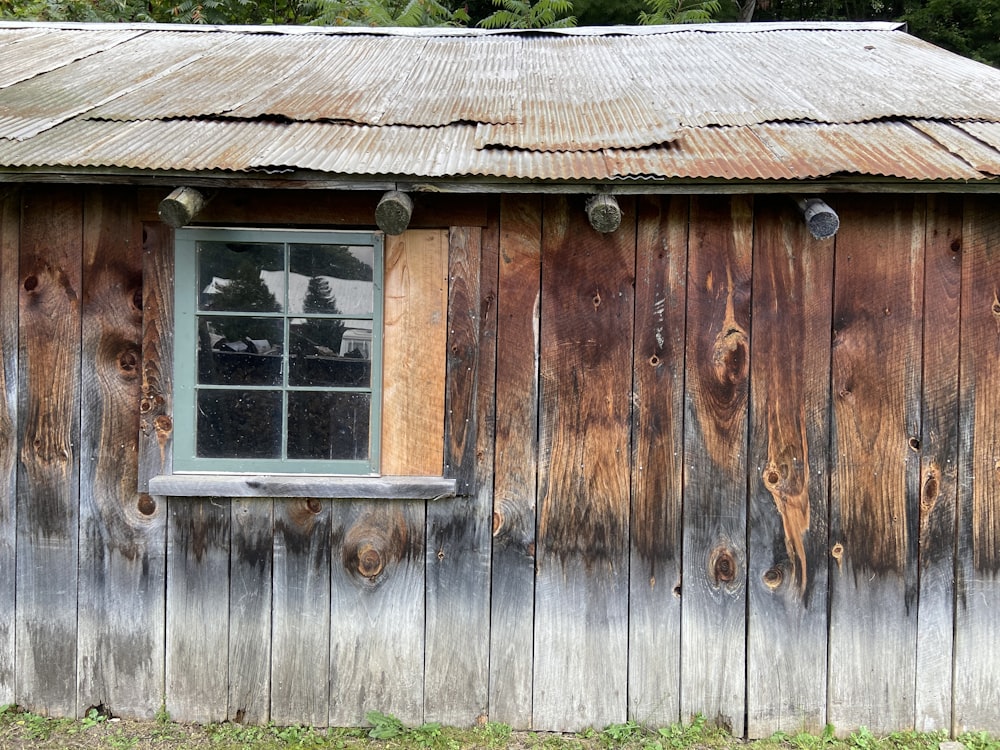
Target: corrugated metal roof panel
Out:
[987,132]
[28,52]
[974,152]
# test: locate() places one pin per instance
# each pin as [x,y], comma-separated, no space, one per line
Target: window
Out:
[278,359]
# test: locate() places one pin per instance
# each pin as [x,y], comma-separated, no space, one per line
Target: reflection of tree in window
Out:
[323,335]
[246,291]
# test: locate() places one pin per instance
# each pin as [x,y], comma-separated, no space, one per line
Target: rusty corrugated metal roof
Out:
[757,102]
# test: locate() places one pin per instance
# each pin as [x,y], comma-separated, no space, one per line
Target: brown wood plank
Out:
[789,437]
[713,643]
[10,220]
[155,405]
[516,463]
[122,534]
[250,611]
[581,593]
[197,652]
[939,463]
[977,627]
[300,630]
[49,430]
[377,647]
[456,680]
[415,335]
[657,461]
[875,473]
[328,208]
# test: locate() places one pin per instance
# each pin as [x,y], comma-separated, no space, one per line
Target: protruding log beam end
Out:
[180,207]
[604,213]
[393,212]
[822,220]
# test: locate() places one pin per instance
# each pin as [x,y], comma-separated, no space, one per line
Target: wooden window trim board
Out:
[414,321]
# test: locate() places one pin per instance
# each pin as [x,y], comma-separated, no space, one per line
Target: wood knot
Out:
[31,283]
[596,300]
[722,565]
[369,561]
[497,522]
[146,505]
[772,478]
[128,362]
[914,443]
[163,424]
[956,246]
[837,552]
[313,505]
[773,577]
[654,361]
[928,498]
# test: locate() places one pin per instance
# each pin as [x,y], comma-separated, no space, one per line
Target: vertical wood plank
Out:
[456,680]
[10,219]
[581,593]
[977,627]
[657,461]
[122,534]
[415,336]
[377,651]
[789,437]
[197,652]
[939,462]
[713,642]
[250,610]
[48,477]
[875,472]
[156,403]
[300,633]
[516,463]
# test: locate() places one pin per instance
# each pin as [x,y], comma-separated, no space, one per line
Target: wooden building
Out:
[263,461]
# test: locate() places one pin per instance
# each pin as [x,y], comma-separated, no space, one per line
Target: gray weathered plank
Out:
[977,627]
[10,215]
[515,476]
[456,680]
[377,631]
[122,533]
[197,651]
[713,643]
[939,463]
[49,429]
[875,473]
[250,611]
[341,487]
[300,629]
[657,462]
[581,593]
[788,541]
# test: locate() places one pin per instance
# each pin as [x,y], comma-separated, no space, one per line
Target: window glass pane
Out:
[241,277]
[235,424]
[331,352]
[240,350]
[328,425]
[331,279]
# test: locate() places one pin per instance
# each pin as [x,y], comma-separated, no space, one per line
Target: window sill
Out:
[273,485]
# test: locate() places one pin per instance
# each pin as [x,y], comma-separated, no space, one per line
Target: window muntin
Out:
[278,351]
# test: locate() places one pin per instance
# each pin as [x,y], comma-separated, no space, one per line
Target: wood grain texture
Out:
[657,461]
[456,680]
[713,643]
[250,568]
[122,534]
[977,628]
[789,437]
[516,464]
[321,208]
[939,462]
[875,473]
[197,652]
[10,218]
[300,629]
[48,475]
[377,612]
[581,593]
[156,385]
[415,336]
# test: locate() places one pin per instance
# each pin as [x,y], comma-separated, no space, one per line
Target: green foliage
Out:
[680,11]
[968,27]
[530,14]
[93,718]
[389,13]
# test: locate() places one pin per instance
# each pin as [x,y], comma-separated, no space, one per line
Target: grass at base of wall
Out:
[99,731]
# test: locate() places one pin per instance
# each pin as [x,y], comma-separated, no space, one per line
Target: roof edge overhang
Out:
[634,186]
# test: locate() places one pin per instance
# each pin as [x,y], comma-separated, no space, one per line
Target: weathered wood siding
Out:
[706,464]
